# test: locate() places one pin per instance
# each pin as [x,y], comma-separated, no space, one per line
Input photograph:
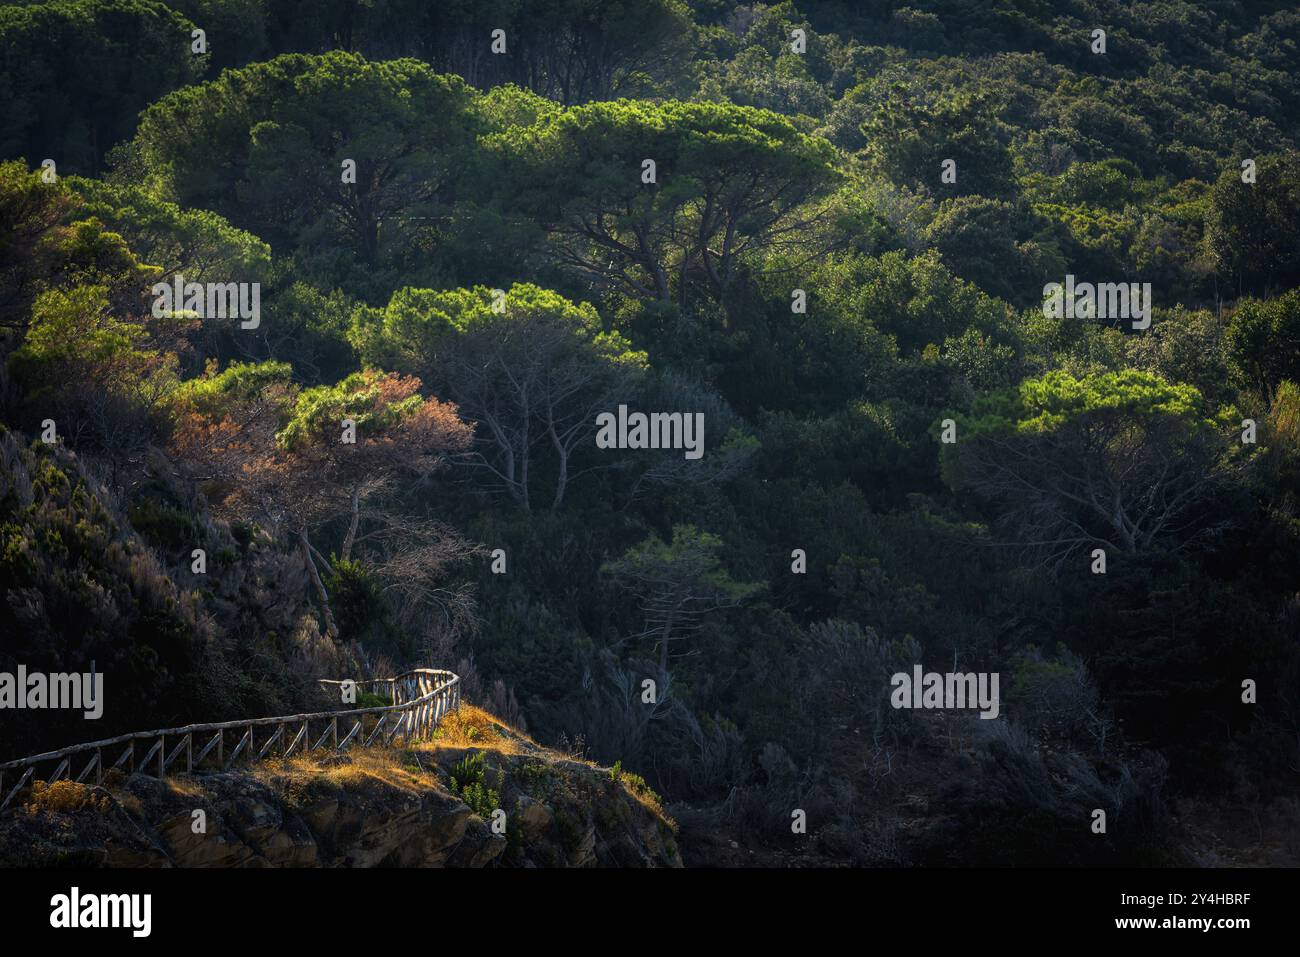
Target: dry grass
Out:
[472,727]
[185,787]
[413,768]
[642,793]
[393,767]
[62,796]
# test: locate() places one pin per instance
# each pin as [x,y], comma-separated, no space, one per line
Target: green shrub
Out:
[166,527]
[469,781]
[361,610]
[369,699]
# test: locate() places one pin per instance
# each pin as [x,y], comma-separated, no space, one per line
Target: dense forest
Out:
[444,240]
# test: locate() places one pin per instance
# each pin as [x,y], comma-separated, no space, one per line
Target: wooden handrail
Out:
[420,699]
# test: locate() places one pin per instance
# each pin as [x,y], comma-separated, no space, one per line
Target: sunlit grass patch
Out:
[64,796]
[394,767]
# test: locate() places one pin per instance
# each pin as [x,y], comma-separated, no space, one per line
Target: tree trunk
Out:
[524,447]
[663,649]
[331,628]
[351,536]
[562,480]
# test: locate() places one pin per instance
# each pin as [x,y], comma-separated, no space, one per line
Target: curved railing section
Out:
[421,698]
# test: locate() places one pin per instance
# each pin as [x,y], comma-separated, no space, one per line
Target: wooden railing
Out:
[420,699]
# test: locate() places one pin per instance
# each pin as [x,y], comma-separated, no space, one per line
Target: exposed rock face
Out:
[557,814]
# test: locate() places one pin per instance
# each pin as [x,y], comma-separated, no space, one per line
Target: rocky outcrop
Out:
[400,809]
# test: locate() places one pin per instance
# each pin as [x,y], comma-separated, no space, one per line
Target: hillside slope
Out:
[429,806]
